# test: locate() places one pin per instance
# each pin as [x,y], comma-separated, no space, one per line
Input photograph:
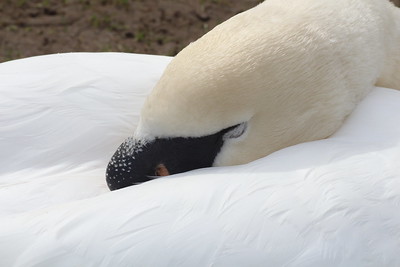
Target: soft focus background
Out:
[164,27]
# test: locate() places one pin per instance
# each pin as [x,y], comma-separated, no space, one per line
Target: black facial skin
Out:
[136,162]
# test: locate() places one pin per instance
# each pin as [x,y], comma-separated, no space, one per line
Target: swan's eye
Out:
[161,170]
[236,131]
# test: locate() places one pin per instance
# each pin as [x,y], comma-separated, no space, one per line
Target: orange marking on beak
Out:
[161,170]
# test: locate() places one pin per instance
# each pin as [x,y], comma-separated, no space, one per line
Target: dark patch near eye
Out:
[137,162]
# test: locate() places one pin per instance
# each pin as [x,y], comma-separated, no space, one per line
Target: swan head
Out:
[197,116]
[201,113]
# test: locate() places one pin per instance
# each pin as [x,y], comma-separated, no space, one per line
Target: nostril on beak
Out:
[161,170]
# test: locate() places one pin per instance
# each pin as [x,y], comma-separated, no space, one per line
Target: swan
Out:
[330,202]
[279,74]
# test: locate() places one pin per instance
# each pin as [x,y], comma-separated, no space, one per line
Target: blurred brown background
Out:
[36,27]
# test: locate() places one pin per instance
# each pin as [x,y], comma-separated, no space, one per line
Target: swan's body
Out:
[61,117]
[286,71]
[332,202]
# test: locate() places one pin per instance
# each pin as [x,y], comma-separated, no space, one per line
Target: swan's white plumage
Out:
[52,105]
[332,202]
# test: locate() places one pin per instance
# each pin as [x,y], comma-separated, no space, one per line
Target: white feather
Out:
[332,202]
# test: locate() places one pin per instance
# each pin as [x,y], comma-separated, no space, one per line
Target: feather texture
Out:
[332,202]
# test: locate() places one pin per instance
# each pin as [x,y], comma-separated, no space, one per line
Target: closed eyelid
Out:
[236,132]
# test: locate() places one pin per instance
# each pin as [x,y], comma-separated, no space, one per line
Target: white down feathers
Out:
[292,69]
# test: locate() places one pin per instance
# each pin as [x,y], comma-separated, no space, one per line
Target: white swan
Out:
[282,73]
[332,202]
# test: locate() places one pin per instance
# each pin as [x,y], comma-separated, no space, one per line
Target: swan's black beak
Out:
[138,161]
